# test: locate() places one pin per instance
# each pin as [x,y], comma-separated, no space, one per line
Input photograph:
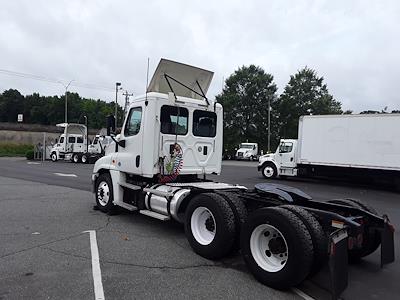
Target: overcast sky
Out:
[354,45]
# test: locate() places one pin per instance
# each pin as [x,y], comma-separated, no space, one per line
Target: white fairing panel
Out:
[364,141]
[188,75]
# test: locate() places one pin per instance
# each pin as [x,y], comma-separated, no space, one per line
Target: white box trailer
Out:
[365,144]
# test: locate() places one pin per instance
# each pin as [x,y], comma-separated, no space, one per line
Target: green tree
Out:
[245,98]
[305,94]
[49,110]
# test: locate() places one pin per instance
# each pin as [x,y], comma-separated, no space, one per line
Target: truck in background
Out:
[247,151]
[366,145]
[73,145]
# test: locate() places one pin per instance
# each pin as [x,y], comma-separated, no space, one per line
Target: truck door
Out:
[128,158]
[286,155]
[174,129]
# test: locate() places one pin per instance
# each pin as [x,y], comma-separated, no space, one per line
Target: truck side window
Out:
[71,139]
[61,140]
[132,126]
[285,148]
[174,119]
[204,123]
[79,140]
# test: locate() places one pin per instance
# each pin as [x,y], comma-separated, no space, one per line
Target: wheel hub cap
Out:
[103,193]
[203,225]
[269,248]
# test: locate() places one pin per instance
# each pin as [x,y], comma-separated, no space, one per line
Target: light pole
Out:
[269,123]
[117,84]
[66,96]
[87,135]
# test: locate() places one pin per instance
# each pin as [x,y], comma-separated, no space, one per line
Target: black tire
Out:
[269,170]
[222,221]
[75,158]
[104,194]
[240,213]
[53,157]
[299,250]
[318,236]
[84,159]
[371,237]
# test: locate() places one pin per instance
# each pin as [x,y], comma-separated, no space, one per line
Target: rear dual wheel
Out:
[277,247]
[210,225]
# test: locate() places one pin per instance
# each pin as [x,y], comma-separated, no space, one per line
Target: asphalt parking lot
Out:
[45,252]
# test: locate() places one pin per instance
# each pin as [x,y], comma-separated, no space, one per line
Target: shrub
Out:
[12,149]
[29,154]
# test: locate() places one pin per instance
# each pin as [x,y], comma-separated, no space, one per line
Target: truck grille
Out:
[240,154]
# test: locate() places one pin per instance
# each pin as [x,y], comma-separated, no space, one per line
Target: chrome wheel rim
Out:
[103,193]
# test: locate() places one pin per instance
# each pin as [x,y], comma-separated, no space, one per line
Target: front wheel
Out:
[277,247]
[104,193]
[210,225]
[53,157]
[269,171]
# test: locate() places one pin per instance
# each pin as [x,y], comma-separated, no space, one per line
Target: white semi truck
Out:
[72,145]
[171,140]
[247,151]
[365,145]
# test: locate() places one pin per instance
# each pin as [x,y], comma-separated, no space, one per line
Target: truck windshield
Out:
[246,146]
[204,123]
[285,147]
[174,120]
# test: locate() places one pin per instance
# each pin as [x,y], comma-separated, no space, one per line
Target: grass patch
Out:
[12,149]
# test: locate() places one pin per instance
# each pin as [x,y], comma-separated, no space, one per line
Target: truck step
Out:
[129,185]
[154,215]
[126,206]
[157,192]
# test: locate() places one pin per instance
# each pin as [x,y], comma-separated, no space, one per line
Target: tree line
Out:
[49,110]
[249,90]
[245,98]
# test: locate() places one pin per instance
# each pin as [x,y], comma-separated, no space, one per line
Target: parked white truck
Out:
[72,144]
[171,140]
[339,145]
[247,151]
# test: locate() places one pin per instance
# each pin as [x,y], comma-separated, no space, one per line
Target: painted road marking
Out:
[302,294]
[98,285]
[33,163]
[65,175]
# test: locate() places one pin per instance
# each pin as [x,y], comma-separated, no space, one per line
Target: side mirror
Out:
[110,125]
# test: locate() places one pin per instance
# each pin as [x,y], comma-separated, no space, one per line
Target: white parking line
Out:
[33,163]
[65,175]
[302,294]
[98,285]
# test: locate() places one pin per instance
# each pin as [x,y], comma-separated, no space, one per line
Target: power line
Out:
[54,80]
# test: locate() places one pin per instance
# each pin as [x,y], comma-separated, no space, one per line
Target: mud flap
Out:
[338,262]
[387,243]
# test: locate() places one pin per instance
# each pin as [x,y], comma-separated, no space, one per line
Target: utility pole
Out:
[117,84]
[127,95]
[66,86]
[269,123]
